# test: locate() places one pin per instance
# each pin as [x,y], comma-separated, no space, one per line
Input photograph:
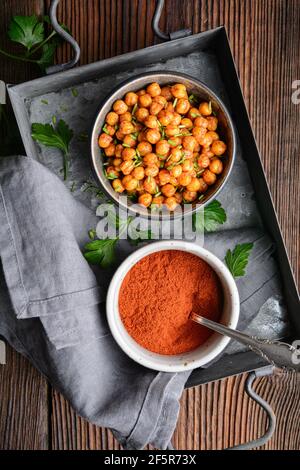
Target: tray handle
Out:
[67,37]
[159,33]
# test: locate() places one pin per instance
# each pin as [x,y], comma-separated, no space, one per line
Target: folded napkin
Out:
[52,310]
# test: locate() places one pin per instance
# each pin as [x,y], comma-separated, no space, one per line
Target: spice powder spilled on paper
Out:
[159,293]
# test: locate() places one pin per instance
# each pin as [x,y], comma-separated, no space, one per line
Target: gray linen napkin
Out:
[52,311]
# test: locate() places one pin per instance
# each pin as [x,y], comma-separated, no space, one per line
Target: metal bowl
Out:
[195,87]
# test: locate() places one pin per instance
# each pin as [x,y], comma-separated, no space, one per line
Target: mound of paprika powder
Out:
[159,293]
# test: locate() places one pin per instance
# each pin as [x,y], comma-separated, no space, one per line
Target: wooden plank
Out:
[23,391]
[264,35]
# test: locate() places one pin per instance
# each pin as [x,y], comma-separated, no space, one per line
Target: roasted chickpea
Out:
[178,90]
[176,171]
[162,147]
[165,117]
[128,154]
[126,117]
[187,123]
[182,106]
[212,123]
[174,181]
[140,186]
[170,107]
[119,150]
[155,108]
[184,179]
[126,128]
[131,185]
[112,172]
[201,122]
[154,89]
[207,152]
[138,173]
[194,113]
[164,177]
[194,185]
[145,199]
[120,135]
[151,122]
[205,108]
[187,154]
[203,186]
[187,165]
[178,197]
[104,140]
[216,166]
[150,185]
[153,136]
[110,130]
[151,170]
[206,140]
[131,98]
[189,196]
[166,93]
[118,186]
[209,177]
[197,147]
[176,119]
[117,162]
[150,159]
[120,107]
[145,101]
[168,190]
[176,155]
[141,114]
[110,150]
[161,100]
[144,148]
[203,161]
[171,130]
[189,142]
[112,118]
[127,167]
[175,141]
[141,92]
[129,140]
[218,147]
[141,136]
[171,203]
[158,201]
[213,135]
[199,133]
[125,179]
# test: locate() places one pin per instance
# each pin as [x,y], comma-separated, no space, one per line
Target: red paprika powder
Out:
[159,293]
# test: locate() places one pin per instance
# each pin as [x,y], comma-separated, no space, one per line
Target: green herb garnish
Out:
[214,215]
[44,102]
[101,252]
[58,136]
[175,102]
[237,260]
[75,92]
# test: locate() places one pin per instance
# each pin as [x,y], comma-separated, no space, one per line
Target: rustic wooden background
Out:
[264,35]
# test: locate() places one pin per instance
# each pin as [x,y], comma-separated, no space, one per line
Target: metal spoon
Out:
[277,353]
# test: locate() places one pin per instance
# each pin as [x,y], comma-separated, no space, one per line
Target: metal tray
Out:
[216,42]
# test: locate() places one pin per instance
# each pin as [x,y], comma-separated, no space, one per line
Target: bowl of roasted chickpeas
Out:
[162,141]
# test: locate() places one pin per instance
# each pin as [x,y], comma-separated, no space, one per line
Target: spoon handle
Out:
[277,353]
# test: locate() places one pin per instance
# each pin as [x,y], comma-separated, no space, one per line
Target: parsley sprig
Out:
[55,135]
[237,260]
[214,215]
[29,32]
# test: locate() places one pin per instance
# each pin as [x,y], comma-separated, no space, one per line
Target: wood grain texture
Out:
[23,391]
[264,36]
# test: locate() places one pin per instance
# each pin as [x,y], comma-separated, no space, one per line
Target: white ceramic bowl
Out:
[190,360]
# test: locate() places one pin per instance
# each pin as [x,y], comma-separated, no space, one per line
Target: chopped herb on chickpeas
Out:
[162,146]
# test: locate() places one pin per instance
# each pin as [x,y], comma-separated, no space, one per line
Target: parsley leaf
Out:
[101,252]
[214,215]
[237,260]
[57,137]
[26,30]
